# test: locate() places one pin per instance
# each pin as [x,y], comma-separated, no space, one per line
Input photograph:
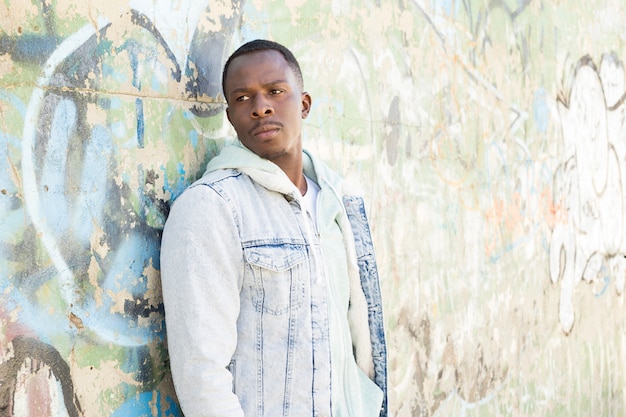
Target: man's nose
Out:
[262,107]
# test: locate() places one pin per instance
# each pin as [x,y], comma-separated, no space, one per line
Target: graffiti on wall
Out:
[22,388]
[493,193]
[84,155]
[492,183]
[587,241]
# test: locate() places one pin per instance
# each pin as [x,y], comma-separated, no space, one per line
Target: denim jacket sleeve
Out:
[368,271]
[201,275]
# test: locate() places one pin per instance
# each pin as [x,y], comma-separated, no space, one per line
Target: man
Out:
[266,312]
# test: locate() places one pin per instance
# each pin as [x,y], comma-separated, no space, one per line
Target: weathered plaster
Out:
[487,137]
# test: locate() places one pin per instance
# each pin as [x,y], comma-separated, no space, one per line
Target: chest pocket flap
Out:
[279,258]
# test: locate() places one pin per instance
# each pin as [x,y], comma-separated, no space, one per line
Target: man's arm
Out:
[201,274]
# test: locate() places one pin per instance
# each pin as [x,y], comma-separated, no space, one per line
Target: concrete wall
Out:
[490,139]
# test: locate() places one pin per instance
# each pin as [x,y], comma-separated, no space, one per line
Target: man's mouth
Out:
[266,130]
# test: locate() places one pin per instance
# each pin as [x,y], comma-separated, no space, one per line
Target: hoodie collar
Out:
[268,174]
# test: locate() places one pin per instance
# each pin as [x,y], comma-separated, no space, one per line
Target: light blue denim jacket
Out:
[262,316]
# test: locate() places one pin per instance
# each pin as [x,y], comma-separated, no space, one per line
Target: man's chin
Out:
[271,154]
[274,156]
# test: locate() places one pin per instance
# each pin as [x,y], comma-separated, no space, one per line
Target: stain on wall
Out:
[488,138]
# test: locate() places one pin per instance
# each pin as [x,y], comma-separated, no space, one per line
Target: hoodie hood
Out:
[268,174]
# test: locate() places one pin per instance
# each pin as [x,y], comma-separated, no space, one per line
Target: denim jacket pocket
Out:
[277,284]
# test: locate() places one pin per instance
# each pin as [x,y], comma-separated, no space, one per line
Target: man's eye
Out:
[242,98]
[276,91]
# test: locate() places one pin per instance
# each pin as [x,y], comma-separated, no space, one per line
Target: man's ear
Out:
[228,115]
[306,104]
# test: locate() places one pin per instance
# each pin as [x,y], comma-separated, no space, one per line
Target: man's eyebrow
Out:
[238,90]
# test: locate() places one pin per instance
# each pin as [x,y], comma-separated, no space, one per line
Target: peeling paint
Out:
[487,138]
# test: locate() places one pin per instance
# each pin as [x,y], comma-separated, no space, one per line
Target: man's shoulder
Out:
[210,192]
[212,182]
[212,177]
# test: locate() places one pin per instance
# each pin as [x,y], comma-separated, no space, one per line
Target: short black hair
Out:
[264,45]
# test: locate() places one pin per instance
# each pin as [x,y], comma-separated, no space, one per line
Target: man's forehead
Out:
[248,65]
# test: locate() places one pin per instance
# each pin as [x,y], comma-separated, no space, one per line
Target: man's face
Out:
[266,104]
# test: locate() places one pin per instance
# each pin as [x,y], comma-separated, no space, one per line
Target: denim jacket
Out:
[263,315]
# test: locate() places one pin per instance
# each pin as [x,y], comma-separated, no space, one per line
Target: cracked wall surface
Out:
[489,139]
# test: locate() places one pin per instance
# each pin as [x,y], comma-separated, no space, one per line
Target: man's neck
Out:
[293,168]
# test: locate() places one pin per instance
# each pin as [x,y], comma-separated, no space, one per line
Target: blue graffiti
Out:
[145,405]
